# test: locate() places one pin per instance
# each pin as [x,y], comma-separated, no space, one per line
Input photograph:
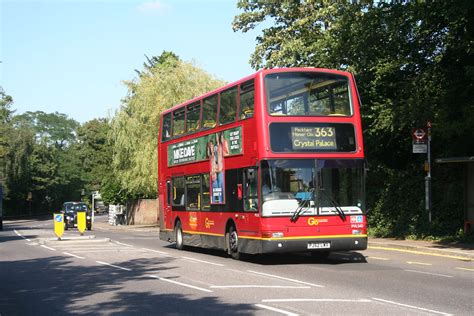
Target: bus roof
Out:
[264,72]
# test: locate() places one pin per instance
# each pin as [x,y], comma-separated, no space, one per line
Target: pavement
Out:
[454,250]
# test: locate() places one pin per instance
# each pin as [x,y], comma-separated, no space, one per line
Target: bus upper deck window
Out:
[178,121]
[209,112]
[228,107]
[193,122]
[247,98]
[166,129]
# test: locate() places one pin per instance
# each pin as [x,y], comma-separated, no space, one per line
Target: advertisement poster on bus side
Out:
[196,149]
[214,148]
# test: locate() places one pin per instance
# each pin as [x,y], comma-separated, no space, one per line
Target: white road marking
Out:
[410,306]
[430,273]
[27,239]
[285,300]
[73,255]
[19,235]
[114,266]
[378,258]
[202,261]
[466,269]
[36,226]
[157,251]
[123,244]
[273,309]
[258,286]
[179,283]
[419,263]
[283,278]
[107,250]
[48,247]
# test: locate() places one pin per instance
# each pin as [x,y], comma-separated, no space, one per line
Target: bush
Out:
[396,199]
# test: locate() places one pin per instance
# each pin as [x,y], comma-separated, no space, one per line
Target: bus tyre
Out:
[178,236]
[233,243]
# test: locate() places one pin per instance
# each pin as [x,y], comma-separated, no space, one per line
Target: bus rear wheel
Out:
[233,243]
[178,236]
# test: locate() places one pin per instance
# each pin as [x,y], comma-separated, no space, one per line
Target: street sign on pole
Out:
[420,148]
[421,141]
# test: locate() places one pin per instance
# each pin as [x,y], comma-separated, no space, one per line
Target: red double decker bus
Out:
[271,163]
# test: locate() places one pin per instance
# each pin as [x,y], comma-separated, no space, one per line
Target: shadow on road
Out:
[334,258]
[55,285]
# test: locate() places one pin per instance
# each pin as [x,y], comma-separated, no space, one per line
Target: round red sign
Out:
[419,133]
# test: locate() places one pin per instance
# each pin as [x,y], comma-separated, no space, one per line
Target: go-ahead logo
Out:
[313,221]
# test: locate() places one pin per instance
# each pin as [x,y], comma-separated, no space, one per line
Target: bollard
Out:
[58,225]
[81,222]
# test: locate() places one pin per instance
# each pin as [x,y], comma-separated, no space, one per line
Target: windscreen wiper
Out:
[339,211]
[300,210]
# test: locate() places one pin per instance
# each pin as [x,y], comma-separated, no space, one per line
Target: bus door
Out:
[248,193]
[167,207]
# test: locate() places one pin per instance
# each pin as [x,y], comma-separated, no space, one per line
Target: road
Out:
[133,272]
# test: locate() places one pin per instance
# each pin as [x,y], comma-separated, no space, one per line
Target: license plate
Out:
[319,245]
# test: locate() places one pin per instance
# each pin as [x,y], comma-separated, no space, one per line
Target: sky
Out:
[71,56]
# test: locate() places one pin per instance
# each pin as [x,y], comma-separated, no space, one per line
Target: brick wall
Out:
[142,212]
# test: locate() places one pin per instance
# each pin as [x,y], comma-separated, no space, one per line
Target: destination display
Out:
[316,138]
[312,137]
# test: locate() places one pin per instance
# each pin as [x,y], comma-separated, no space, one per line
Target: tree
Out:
[42,162]
[95,152]
[165,81]
[413,62]
[50,128]
[5,117]
[18,168]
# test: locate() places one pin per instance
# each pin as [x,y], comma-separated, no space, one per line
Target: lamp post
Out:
[93,198]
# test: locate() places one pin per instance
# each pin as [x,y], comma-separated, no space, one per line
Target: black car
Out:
[70,210]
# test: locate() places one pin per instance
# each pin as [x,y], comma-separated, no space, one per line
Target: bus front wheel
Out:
[178,236]
[233,243]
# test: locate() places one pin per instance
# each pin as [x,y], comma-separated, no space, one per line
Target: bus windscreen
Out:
[308,94]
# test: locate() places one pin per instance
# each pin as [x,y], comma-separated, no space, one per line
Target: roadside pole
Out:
[428,175]
[422,145]
[92,215]
[1,205]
